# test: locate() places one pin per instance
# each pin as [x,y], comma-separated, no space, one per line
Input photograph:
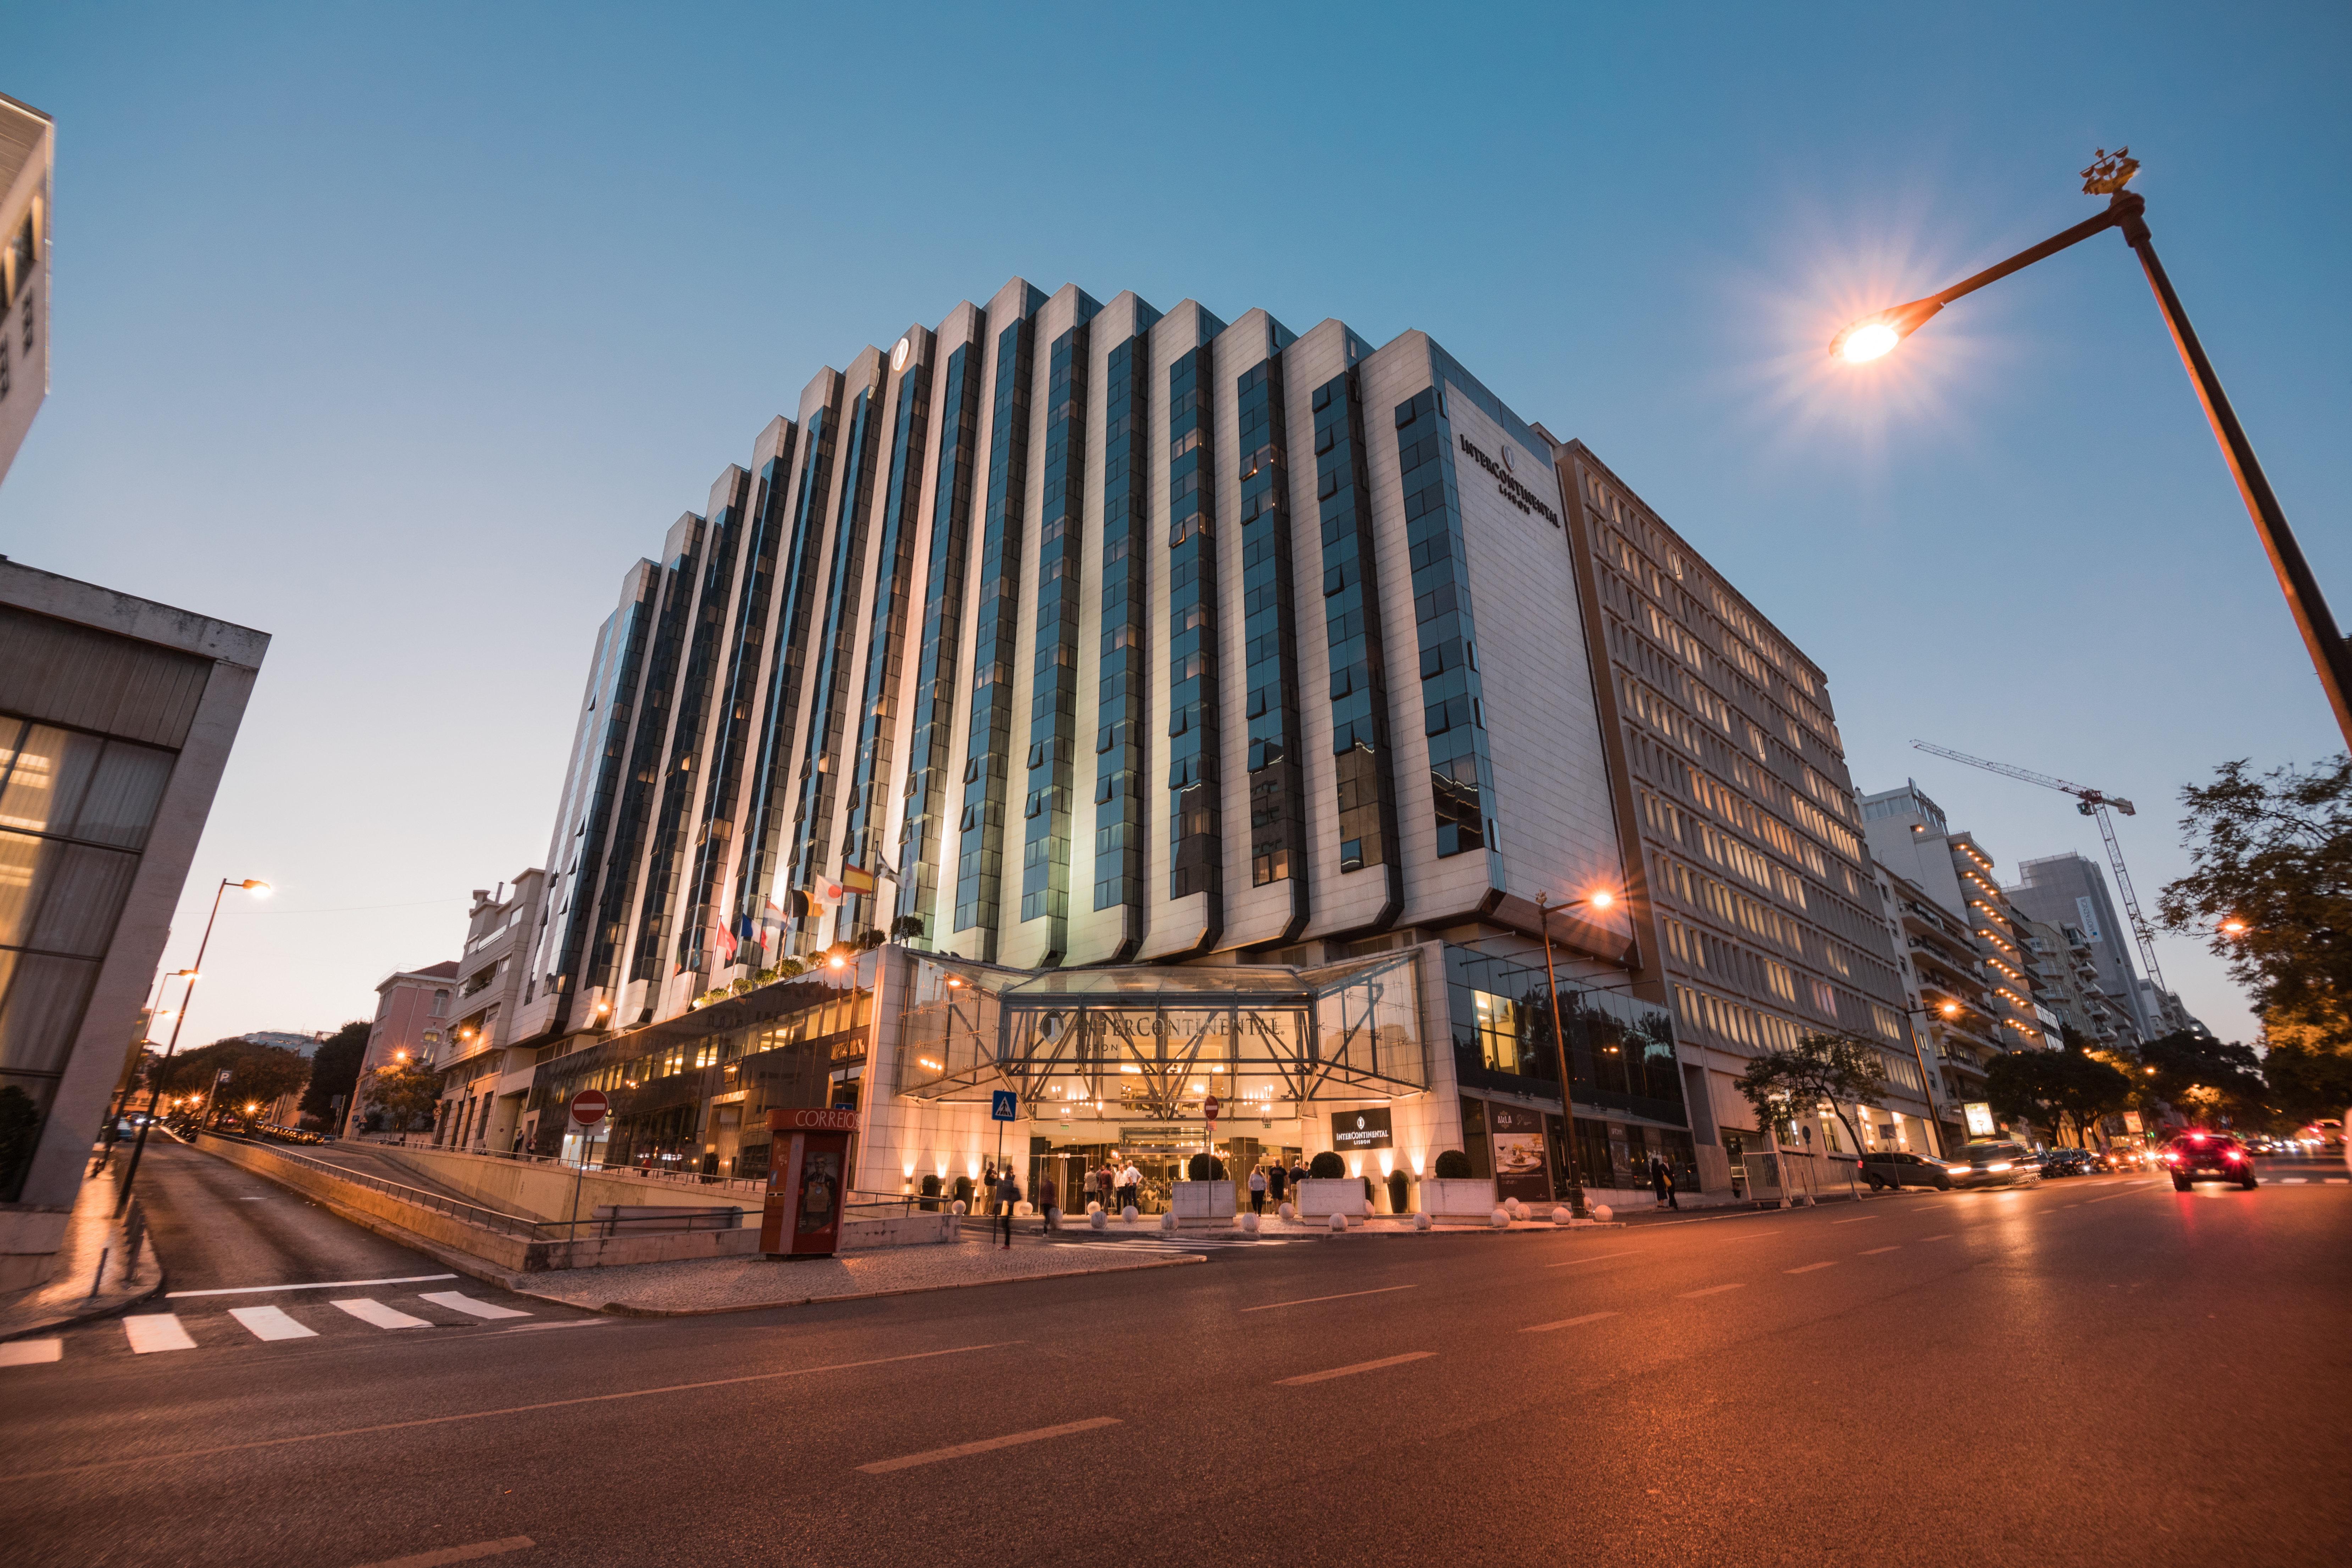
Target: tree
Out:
[2056,1088]
[257,1073]
[2205,1080]
[2308,1077]
[1837,1068]
[335,1069]
[406,1095]
[2271,886]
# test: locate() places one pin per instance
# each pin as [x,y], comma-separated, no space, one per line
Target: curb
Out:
[617,1309]
[95,1314]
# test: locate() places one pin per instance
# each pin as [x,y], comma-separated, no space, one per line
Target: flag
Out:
[857,879]
[884,869]
[722,942]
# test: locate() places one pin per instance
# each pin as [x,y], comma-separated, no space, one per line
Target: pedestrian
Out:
[1049,1205]
[1008,1192]
[1276,1180]
[1130,1186]
[1257,1190]
[1297,1171]
[1661,1182]
[1093,1187]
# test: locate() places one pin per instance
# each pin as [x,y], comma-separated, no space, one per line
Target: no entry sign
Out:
[588,1107]
[1209,1108]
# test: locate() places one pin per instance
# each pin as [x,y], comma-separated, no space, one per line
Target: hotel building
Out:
[1130,711]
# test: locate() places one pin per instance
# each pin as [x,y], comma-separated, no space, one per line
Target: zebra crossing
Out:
[143,1332]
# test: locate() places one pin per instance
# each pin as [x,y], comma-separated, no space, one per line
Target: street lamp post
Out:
[1947,1010]
[1876,335]
[1560,1041]
[131,1174]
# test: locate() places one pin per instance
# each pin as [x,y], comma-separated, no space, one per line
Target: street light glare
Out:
[257,888]
[1602,901]
[1864,342]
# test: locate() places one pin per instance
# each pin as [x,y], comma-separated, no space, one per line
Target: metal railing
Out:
[682,1178]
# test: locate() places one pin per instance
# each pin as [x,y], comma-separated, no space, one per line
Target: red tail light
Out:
[2233,1154]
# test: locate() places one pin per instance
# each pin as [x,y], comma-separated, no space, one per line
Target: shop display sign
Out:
[2131,1122]
[1521,1171]
[1353,1131]
[1980,1121]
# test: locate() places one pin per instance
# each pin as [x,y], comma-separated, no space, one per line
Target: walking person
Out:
[1276,1178]
[1297,1171]
[1008,1192]
[1094,1185]
[1257,1190]
[1130,1188]
[1661,1182]
[1049,1205]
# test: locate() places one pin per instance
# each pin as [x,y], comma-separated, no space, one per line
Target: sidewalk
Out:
[133,1273]
[742,1284]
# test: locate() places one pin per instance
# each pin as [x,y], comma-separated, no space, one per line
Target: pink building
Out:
[413,1009]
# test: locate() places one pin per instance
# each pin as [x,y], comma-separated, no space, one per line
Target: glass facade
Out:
[1351,625]
[596,776]
[1122,695]
[1462,780]
[763,843]
[1196,836]
[886,640]
[980,855]
[1621,1050]
[1276,781]
[1054,673]
[937,672]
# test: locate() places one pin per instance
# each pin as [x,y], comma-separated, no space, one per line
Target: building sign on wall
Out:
[1355,1131]
[1980,1121]
[1521,1170]
[1506,479]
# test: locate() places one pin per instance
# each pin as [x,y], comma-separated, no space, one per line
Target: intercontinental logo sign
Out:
[1507,482]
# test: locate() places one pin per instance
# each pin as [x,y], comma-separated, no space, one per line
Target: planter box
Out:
[1203,1200]
[1340,1195]
[1457,1197]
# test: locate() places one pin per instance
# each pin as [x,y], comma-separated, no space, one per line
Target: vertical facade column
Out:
[886,637]
[1053,689]
[980,860]
[1276,780]
[1122,697]
[938,666]
[1462,779]
[1195,713]
[1351,624]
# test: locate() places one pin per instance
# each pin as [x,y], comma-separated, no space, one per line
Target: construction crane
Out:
[2090,802]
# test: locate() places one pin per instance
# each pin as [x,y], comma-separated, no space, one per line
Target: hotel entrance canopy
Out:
[1151,1043]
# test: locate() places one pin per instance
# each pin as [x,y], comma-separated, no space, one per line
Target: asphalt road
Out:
[1930,1379]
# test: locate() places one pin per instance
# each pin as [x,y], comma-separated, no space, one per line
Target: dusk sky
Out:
[400,334]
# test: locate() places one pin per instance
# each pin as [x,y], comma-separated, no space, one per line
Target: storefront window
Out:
[1620,1049]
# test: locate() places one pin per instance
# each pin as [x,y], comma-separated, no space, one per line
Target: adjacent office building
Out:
[2071,889]
[1909,835]
[1199,710]
[412,1019]
[28,146]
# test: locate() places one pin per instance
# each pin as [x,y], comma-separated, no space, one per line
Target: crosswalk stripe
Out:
[151,1331]
[382,1316]
[458,1302]
[26,1352]
[271,1323]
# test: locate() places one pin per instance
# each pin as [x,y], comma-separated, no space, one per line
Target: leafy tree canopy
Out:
[256,1072]
[2205,1080]
[335,1068]
[1837,1068]
[406,1095]
[2057,1088]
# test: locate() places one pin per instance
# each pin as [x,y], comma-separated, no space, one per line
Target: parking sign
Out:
[1001,1105]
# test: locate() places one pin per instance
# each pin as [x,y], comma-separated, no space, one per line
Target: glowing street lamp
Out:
[1875,336]
[1598,900]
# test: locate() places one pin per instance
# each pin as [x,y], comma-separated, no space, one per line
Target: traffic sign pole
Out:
[588,1108]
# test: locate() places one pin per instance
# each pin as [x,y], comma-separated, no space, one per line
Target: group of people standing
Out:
[1115,1187]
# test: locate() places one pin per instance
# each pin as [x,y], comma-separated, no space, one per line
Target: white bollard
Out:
[957,1207]
[1338,1222]
[1515,1208]
[1603,1212]
[1168,1220]
[1093,1207]
[1289,1211]
[1499,1219]
[1561,1215]
[1128,1213]
[1247,1221]
[1097,1219]
[1421,1222]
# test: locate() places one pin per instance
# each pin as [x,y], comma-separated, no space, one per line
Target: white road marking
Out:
[1568,1322]
[1342,1296]
[2339,1180]
[2112,1198]
[321,1284]
[382,1316]
[1710,1290]
[151,1331]
[1596,1257]
[1809,1268]
[932,1457]
[1939,1235]
[2293,1180]
[28,1352]
[1874,1251]
[462,1304]
[466,1554]
[271,1323]
[1855,1220]
[1351,1371]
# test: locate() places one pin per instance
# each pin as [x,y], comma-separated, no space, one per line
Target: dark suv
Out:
[2207,1157]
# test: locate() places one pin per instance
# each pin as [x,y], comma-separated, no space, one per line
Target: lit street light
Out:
[1875,336]
[259,889]
[1560,1040]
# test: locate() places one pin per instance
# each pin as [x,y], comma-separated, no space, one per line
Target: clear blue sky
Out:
[399,334]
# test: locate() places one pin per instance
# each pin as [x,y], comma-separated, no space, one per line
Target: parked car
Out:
[2207,1157]
[2068,1163]
[2116,1160]
[1994,1164]
[1891,1168]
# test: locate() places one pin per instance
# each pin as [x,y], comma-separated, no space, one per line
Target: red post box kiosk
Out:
[808,1178]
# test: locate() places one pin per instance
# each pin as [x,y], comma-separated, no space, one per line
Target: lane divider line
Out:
[1855,1220]
[1939,1235]
[466,1554]
[1342,1296]
[1809,1268]
[1351,1371]
[1596,1257]
[1710,1290]
[933,1456]
[1568,1323]
[1874,1251]
[23,1475]
[321,1284]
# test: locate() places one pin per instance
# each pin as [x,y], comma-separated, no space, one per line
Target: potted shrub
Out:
[1451,1190]
[930,1195]
[1207,1196]
[1400,1192]
[1329,1190]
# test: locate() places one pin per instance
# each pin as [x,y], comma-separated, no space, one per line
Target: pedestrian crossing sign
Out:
[1001,1106]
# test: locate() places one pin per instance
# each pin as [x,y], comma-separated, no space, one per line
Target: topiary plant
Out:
[1400,1192]
[1201,1168]
[1327,1167]
[1452,1165]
